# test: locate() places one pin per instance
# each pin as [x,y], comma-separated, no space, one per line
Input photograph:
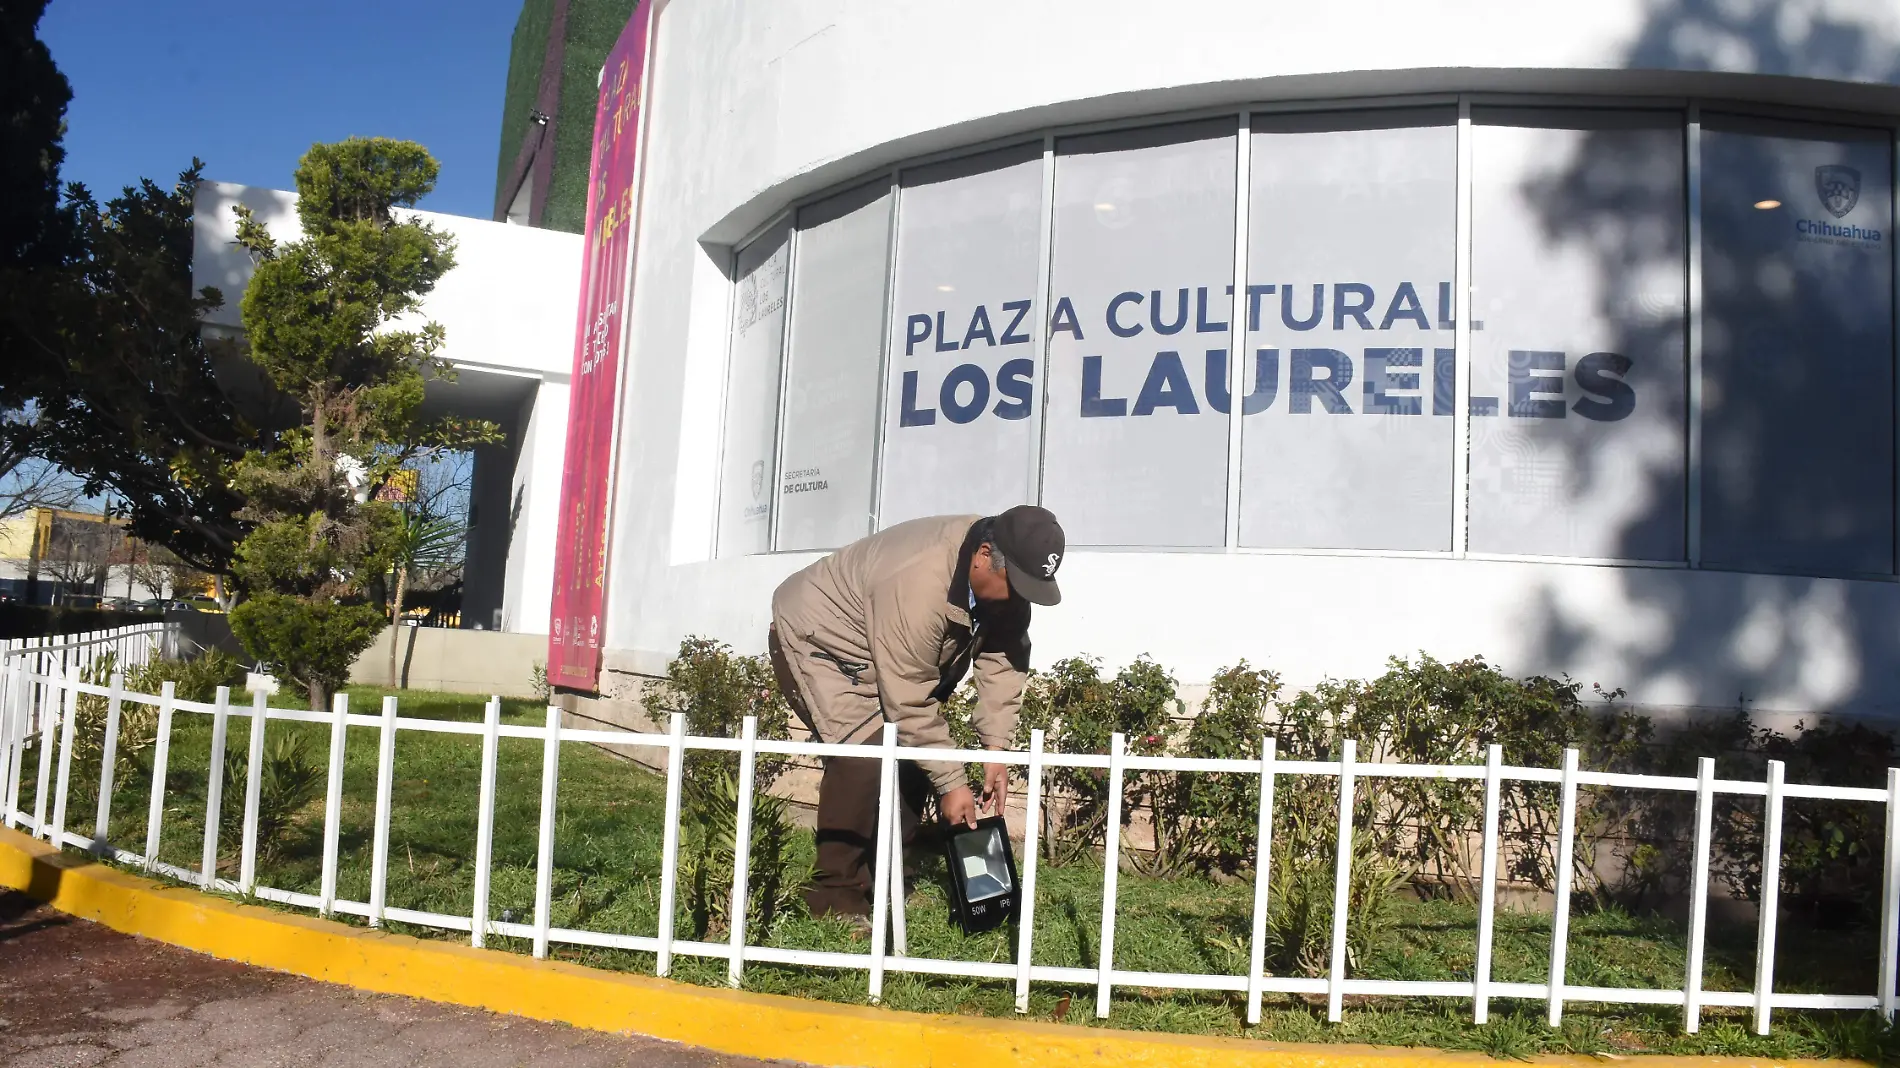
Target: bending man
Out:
[883,630]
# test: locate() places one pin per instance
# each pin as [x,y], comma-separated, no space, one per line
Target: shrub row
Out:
[1631,847]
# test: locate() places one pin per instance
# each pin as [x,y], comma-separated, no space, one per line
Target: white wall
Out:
[535,504]
[828,88]
[811,94]
[755,103]
[509,303]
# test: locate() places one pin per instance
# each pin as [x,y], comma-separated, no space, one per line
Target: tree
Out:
[33,99]
[320,317]
[123,389]
[26,481]
[105,379]
[79,553]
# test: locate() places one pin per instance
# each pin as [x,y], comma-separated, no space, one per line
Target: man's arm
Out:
[904,646]
[1000,677]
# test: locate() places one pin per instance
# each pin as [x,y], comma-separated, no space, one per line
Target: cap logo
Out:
[1049,568]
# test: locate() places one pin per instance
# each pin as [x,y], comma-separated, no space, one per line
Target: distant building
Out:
[57,556]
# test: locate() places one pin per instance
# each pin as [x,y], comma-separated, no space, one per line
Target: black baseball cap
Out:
[1032,542]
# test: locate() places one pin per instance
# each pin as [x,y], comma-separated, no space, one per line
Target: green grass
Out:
[607,850]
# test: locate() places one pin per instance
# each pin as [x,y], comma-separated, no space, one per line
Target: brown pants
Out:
[848,810]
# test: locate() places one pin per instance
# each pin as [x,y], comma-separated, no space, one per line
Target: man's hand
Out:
[958,807]
[995,787]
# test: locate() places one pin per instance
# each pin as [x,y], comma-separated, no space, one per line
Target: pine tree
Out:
[320,317]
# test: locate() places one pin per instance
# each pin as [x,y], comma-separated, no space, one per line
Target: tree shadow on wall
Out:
[1781,332]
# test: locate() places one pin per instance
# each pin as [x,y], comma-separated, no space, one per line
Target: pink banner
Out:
[580,556]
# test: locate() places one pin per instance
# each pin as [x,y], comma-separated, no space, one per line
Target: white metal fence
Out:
[63,653]
[28,690]
[75,655]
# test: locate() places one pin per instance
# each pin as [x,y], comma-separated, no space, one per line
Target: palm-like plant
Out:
[422,543]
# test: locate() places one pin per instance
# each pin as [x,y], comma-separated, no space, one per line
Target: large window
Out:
[1677,346]
[1798,402]
[1347,440]
[1579,345]
[957,429]
[831,374]
[1136,450]
[752,396]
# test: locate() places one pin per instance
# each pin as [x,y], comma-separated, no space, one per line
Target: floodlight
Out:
[982,874]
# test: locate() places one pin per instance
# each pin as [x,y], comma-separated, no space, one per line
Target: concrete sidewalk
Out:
[74,994]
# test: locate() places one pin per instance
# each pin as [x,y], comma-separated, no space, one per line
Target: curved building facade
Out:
[1563,336]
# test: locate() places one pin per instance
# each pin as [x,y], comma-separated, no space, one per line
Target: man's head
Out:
[1021,551]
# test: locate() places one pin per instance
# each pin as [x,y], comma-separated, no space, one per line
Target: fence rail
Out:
[65,652]
[76,654]
[38,719]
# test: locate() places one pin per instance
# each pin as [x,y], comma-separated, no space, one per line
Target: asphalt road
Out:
[74,994]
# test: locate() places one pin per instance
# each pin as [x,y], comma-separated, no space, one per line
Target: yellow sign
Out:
[401,487]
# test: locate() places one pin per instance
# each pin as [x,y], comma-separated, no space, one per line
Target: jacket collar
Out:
[957,601]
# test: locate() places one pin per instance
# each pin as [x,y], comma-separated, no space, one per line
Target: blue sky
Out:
[249,87]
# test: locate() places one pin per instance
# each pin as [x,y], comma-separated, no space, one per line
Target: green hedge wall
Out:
[592,28]
[529,51]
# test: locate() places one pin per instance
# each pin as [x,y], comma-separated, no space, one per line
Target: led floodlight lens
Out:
[984,864]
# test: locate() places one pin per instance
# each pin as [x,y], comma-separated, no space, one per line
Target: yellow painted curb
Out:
[728,1021]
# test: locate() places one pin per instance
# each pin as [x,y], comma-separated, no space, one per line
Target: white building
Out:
[1566,332]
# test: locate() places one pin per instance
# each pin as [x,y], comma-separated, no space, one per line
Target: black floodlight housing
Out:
[982,874]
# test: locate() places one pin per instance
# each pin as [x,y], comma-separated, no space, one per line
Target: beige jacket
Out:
[891,614]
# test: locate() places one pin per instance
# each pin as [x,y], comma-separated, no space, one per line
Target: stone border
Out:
[727,1021]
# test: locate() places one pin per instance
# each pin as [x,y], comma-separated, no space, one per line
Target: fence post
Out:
[69,717]
[1262,876]
[333,802]
[214,788]
[887,802]
[1342,884]
[49,694]
[11,761]
[1032,842]
[9,744]
[253,791]
[1890,898]
[161,757]
[485,822]
[1699,893]
[15,725]
[385,787]
[670,837]
[1111,872]
[544,847]
[1487,888]
[742,848]
[42,667]
[1770,898]
[1560,923]
[900,925]
[108,757]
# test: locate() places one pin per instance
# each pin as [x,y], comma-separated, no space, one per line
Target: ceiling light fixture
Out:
[1767,205]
